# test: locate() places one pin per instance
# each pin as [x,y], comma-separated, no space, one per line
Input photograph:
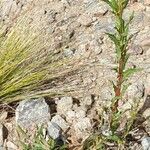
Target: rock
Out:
[146,113]
[85,20]
[82,128]
[146,143]
[2,148]
[125,107]
[87,100]
[106,94]
[105,24]
[54,130]
[3,134]
[11,146]
[147,84]
[145,43]
[96,8]
[32,112]
[70,116]
[137,50]
[3,116]
[64,104]
[69,52]
[135,91]
[60,122]
[146,2]
[80,113]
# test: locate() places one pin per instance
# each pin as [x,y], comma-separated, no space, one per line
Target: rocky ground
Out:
[78,27]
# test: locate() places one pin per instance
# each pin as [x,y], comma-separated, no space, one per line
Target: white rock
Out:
[54,130]
[11,146]
[82,127]
[147,2]
[1,134]
[60,122]
[146,143]
[64,104]
[32,112]
[3,116]
[70,116]
[87,100]
[80,112]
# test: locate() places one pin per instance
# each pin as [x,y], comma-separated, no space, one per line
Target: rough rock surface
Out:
[78,27]
[146,143]
[1,134]
[82,128]
[64,104]
[54,131]
[32,112]
[60,122]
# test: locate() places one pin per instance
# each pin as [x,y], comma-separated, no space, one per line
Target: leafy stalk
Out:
[121,40]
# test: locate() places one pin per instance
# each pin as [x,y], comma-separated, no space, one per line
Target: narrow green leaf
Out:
[125,3]
[126,60]
[113,38]
[113,84]
[114,138]
[114,5]
[115,69]
[125,87]
[118,52]
[129,72]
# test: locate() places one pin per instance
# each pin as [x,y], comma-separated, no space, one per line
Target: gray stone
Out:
[64,104]
[96,8]
[2,148]
[54,130]
[105,24]
[146,143]
[60,122]
[135,91]
[32,112]
[137,49]
[69,52]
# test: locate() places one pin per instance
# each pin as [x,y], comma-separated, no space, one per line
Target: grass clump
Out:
[37,141]
[27,67]
[116,137]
